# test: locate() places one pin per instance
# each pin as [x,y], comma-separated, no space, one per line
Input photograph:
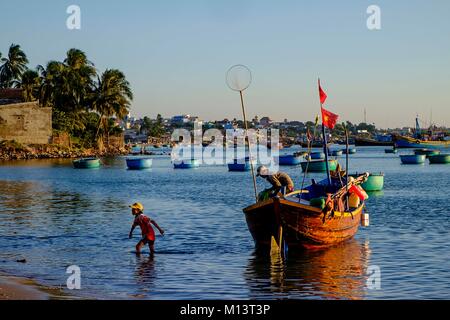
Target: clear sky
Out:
[176,54]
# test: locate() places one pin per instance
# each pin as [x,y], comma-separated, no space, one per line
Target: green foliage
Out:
[12,67]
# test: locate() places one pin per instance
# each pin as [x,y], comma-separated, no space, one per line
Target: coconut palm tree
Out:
[30,84]
[112,97]
[13,67]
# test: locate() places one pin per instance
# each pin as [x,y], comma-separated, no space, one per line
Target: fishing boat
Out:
[367,142]
[297,221]
[186,164]
[439,159]
[393,150]
[323,214]
[241,165]
[139,163]
[290,160]
[350,151]
[413,159]
[427,152]
[86,163]
[318,165]
[420,140]
[375,182]
[314,144]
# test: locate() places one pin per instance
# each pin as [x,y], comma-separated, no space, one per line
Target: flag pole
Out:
[325,148]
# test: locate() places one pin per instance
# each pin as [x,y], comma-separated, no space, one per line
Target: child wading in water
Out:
[144,222]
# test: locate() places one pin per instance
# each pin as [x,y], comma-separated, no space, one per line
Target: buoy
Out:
[365,220]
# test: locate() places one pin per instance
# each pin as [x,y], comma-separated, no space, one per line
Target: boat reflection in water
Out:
[337,272]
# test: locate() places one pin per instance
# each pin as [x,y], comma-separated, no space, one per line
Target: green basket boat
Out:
[427,152]
[439,159]
[87,163]
[375,182]
[319,165]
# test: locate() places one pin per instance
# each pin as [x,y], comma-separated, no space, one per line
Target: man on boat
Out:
[280,181]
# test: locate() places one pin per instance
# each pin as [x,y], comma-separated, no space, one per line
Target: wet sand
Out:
[12,288]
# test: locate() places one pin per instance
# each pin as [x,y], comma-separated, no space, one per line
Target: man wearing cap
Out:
[279,180]
[145,223]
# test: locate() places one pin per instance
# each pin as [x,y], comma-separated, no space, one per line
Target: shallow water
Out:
[54,216]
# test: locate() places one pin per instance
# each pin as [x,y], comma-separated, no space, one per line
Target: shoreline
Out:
[32,152]
[13,288]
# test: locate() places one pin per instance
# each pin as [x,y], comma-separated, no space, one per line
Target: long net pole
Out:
[249,146]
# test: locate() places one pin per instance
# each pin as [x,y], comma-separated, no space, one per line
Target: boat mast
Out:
[418,133]
[325,148]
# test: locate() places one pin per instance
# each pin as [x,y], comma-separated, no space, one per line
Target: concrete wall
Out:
[26,123]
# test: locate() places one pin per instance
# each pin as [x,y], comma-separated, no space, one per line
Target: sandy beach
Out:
[13,288]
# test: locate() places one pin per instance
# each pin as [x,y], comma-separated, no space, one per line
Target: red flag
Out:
[329,119]
[322,94]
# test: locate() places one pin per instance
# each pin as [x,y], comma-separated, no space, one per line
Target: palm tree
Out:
[13,67]
[111,97]
[30,85]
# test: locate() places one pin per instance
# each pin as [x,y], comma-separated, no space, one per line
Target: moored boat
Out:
[296,221]
[413,159]
[318,165]
[290,160]
[317,155]
[336,153]
[427,152]
[350,151]
[241,164]
[375,182]
[86,163]
[186,164]
[362,141]
[139,163]
[393,150]
[439,159]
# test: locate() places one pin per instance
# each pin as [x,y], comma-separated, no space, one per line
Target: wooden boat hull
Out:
[139,164]
[408,142]
[413,159]
[439,159]
[289,160]
[319,165]
[364,142]
[303,226]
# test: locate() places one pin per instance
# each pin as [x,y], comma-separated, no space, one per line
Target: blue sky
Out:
[176,53]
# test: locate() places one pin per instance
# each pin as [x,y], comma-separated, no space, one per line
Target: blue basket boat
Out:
[186,164]
[241,165]
[290,160]
[317,155]
[350,151]
[139,163]
[390,150]
[413,159]
[336,153]
[87,163]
